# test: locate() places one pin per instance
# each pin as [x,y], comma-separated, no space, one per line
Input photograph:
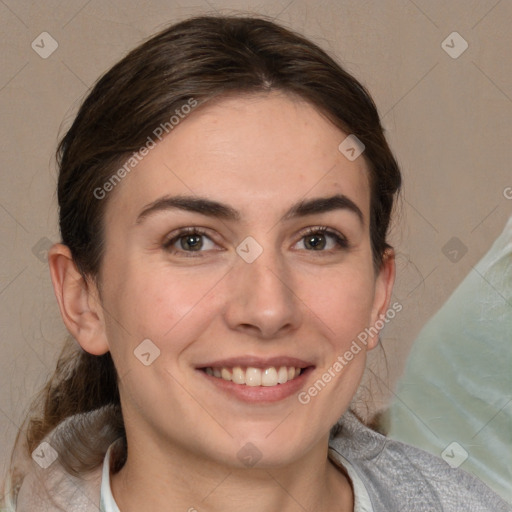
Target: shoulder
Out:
[52,479]
[401,477]
[54,489]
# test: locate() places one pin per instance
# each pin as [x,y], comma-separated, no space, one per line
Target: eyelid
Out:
[340,239]
[171,238]
[321,229]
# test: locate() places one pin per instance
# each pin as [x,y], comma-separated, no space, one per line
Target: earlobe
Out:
[78,301]
[383,288]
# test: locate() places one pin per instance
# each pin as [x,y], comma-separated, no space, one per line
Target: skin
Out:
[259,154]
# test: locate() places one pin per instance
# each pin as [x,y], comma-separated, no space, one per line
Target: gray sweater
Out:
[402,478]
[387,476]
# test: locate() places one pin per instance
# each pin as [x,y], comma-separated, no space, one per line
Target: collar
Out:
[362,502]
[107,502]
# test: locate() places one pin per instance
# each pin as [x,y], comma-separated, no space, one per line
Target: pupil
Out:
[316,242]
[193,242]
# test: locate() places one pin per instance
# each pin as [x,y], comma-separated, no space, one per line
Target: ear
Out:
[382,297]
[79,301]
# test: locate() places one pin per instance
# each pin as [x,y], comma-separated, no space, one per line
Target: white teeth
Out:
[225,374]
[269,377]
[251,376]
[282,375]
[238,375]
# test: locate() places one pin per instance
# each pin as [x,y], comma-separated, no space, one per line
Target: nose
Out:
[262,301]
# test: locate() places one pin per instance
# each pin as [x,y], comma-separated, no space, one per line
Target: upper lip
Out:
[257,362]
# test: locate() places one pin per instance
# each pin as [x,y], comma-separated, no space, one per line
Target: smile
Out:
[251,376]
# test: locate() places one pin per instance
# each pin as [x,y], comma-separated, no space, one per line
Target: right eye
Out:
[189,240]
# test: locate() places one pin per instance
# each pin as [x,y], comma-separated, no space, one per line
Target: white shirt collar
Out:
[362,502]
[107,502]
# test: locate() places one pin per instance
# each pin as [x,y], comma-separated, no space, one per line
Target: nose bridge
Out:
[263,293]
[272,277]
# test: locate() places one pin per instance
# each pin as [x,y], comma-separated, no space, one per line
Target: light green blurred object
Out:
[457,386]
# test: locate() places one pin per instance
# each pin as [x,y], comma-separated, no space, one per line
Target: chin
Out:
[273,447]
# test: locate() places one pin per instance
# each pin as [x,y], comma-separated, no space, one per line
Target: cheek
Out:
[341,299]
[172,311]
[157,304]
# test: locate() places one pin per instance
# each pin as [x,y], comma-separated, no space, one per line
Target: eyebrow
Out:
[222,211]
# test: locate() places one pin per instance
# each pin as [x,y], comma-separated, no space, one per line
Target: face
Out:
[240,248]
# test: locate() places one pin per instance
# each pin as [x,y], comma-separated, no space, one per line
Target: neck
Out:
[153,479]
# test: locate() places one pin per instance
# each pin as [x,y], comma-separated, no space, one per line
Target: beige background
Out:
[448,120]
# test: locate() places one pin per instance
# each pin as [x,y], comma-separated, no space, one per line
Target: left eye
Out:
[189,241]
[322,239]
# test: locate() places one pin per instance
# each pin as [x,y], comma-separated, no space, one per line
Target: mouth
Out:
[257,380]
[253,376]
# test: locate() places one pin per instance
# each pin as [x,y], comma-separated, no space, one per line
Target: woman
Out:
[225,193]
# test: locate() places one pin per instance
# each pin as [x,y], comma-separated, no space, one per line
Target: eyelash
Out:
[181,234]
[339,239]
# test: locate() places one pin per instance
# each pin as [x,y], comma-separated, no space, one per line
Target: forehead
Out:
[258,153]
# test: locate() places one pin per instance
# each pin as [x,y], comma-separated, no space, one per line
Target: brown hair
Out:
[201,58]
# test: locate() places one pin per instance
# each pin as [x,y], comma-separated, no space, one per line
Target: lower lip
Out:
[259,394]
